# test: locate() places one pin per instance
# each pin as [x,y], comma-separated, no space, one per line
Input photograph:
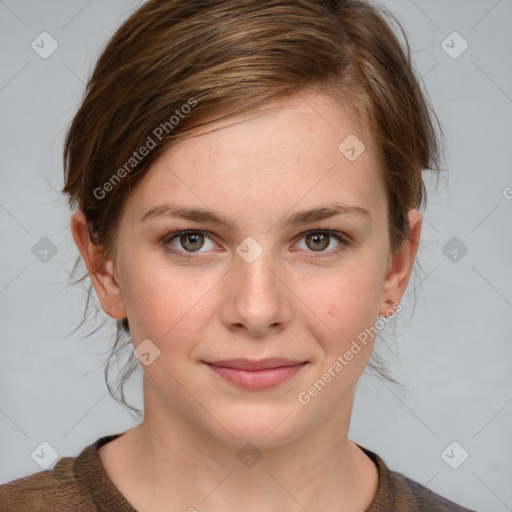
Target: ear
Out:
[400,264]
[102,274]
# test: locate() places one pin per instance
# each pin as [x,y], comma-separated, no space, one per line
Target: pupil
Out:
[319,237]
[193,237]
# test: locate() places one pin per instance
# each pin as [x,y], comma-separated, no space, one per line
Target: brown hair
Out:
[173,66]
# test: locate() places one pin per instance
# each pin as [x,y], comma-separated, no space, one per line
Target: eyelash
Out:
[345,242]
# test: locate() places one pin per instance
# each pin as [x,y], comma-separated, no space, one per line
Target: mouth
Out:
[251,374]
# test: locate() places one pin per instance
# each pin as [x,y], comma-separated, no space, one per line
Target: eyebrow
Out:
[301,217]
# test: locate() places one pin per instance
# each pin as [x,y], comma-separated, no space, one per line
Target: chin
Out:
[263,428]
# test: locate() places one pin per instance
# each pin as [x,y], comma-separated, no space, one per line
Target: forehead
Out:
[305,149]
[296,116]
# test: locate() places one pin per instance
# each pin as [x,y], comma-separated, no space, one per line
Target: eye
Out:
[191,241]
[318,241]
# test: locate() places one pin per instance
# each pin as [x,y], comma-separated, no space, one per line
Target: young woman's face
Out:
[261,287]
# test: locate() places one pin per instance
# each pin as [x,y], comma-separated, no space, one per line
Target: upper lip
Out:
[262,364]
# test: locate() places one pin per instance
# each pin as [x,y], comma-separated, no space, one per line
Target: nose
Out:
[257,298]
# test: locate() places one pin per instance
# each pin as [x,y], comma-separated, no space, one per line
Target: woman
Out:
[247,177]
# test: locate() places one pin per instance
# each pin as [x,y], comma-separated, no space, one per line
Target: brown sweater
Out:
[80,484]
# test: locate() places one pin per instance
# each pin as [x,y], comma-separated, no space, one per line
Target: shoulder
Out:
[77,484]
[397,492]
[48,490]
[415,496]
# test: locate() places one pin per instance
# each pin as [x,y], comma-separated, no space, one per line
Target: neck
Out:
[167,461]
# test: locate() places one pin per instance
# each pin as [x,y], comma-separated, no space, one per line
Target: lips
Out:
[263,364]
[257,375]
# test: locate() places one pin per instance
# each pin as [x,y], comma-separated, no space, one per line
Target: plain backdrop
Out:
[448,426]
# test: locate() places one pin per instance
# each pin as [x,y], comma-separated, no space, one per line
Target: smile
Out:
[257,378]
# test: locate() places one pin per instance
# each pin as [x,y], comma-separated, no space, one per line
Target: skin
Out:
[254,169]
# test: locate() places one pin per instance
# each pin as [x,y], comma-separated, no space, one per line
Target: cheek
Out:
[162,305]
[346,302]
[349,309]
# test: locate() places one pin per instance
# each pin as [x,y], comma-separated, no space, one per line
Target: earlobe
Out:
[401,263]
[102,273]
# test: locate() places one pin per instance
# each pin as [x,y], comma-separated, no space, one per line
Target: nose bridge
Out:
[256,296]
[256,268]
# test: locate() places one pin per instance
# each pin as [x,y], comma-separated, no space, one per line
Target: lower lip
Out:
[257,379]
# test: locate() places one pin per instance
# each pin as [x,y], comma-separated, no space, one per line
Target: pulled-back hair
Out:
[175,65]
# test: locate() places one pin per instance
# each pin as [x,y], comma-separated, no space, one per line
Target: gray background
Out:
[452,353]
